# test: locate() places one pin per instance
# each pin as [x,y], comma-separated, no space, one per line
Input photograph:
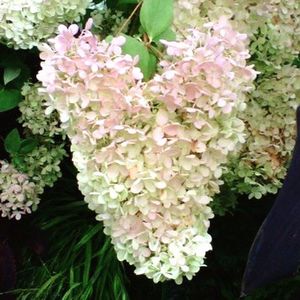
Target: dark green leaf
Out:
[12,141]
[9,99]
[120,2]
[156,16]
[10,74]
[88,236]
[28,145]
[134,47]
[152,63]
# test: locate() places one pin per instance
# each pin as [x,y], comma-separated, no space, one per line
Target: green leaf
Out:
[88,236]
[120,2]
[47,284]
[168,35]
[69,292]
[87,263]
[109,38]
[152,64]
[134,47]
[10,74]
[28,145]
[156,16]
[12,141]
[9,99]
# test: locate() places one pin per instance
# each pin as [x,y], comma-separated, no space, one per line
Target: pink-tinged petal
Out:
[158,134]
[137,186]
[137,74]
[192,91]
[119,41]
[99,133]
[73,29]
[88,24]
[162,117]
[62,28]
[171,130]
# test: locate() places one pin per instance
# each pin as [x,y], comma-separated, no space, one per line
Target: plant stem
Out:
[130,17]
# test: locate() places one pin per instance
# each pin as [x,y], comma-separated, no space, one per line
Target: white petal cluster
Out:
[24,23]
[18,194]
[150,155]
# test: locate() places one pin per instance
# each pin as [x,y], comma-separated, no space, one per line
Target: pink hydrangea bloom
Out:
[150,155]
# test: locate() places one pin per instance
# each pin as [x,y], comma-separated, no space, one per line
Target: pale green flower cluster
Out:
[33,116]
[24,23]
[18,194]
[271,128]
[187,14]
[42,164]
[107,22]
[273,29]
[22,181]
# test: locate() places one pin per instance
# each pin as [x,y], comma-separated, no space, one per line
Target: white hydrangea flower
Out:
[150,155]
[272,26]
[271,132]
[18,195]
[25,23]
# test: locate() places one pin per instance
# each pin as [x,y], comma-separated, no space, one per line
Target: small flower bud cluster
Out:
[33,116]
[41,164]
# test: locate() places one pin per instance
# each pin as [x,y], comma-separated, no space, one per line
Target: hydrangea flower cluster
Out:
[150,155]
[35,170]
[274,31]
[271,126]
[273,26]
[187,14]
[42,165]
[18,194]
[33,117]
[24,23]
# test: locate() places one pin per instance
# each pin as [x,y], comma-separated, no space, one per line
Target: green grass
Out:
[80,263]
